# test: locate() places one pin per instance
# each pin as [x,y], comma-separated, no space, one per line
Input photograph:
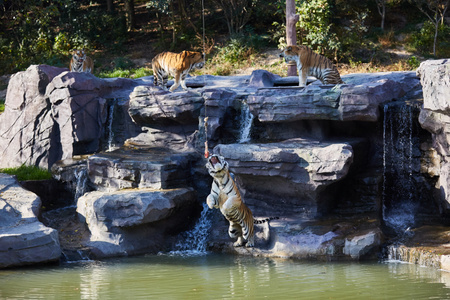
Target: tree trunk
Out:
[436,26]
[291,33]
[109,6]
[129,10]
[383,15]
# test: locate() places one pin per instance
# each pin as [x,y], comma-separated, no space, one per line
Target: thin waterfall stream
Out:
[246,121]
[399,203]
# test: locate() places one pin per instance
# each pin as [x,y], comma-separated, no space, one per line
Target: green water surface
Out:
[212,276]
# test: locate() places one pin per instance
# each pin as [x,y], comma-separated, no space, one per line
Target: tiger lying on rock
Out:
[311,63]
[177,65]
[225,196]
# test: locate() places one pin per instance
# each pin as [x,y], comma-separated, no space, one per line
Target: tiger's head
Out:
[216,164]
[79,55]
[196,59]
[292,53]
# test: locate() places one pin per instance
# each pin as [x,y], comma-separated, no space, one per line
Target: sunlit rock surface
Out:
[314,157]
[157,168]
[23,239]
[135,221]
[435,116]
[290,175]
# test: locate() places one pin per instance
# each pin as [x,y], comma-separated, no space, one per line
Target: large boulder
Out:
[435,118]
[290,176]
[158,168]
[23,239]
[27,133]
[52,114]
[135,221]
[176,120]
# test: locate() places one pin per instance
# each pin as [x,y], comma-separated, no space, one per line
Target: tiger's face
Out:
[216,164]
[197,59]
[79,56]
[291,53]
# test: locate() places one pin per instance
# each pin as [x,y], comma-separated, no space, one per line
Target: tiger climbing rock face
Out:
[178,65]
[80,62]
[225,196]
[310,63]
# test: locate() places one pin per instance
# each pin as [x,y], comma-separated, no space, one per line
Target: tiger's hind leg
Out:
[235,231]
[165,77]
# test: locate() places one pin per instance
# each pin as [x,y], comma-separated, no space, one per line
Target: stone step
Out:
[157,168]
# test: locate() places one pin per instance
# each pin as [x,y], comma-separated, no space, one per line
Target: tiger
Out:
[225,196]
[177,65]
[311,63]
[80,62]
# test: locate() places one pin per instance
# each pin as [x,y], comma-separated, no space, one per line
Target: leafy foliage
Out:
[423,40]
[38,31]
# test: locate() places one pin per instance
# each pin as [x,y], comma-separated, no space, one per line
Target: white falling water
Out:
[110,126]
[399,207]
[246,121]
[194,242]
[81,183]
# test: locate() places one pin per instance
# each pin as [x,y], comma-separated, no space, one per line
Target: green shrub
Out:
[28,173]
[413,62]
[423,40]
[2,105]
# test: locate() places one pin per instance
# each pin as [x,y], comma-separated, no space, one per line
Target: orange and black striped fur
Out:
[312,64]
[225,196]
[80,62]
[178,65]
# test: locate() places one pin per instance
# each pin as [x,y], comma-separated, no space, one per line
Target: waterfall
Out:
[195,240]
[110,132]
[80,184]
[246,120]
[399,205]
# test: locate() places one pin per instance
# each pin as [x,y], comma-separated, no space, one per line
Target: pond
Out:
[213,276]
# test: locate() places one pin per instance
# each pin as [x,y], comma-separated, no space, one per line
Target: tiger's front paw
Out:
[239,243]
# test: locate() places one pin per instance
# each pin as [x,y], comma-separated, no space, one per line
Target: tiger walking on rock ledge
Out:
[311,63]
[225,196]
[177,65]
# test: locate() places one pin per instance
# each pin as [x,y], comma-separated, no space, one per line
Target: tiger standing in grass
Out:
[80,62]
[312,64]
[225,196]
[177,65]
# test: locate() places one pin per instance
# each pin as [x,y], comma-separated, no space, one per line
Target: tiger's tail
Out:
[261,221]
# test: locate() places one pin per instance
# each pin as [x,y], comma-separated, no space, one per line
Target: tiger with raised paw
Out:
[225,196]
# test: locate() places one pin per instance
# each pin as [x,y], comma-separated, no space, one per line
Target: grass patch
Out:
[2,105]
[28,173]
[126,73]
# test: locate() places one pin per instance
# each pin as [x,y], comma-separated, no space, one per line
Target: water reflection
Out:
[224,277]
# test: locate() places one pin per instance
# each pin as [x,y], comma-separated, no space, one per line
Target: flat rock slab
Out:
[28,243]
[23,239]
[325,240]
[302,161]
[358,99]
[158,168]
[134,221]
